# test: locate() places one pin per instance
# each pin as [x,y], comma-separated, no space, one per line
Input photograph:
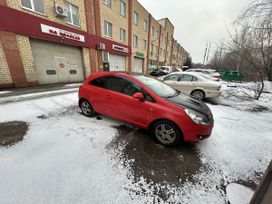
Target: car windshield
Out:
[158,87]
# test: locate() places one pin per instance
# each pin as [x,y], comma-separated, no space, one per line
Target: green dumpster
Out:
[231,75]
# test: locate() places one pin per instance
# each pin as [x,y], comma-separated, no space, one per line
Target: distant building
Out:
[56,41]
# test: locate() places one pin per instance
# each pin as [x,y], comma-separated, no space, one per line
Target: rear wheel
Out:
[86,108]
[198,94]
[167,133]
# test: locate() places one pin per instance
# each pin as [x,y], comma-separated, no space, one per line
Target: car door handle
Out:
[108,96]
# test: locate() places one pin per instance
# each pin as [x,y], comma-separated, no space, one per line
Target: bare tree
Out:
[252,40]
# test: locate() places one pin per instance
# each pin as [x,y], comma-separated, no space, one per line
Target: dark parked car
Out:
[145,102]
[158,72]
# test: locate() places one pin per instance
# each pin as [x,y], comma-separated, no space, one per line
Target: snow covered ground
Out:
[64,156]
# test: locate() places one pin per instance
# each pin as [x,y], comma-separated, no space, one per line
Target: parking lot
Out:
[66,157]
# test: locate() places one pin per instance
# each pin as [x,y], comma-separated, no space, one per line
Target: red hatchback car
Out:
[145,102]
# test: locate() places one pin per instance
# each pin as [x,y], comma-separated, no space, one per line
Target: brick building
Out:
[55,41]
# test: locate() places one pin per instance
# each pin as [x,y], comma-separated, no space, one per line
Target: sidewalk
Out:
[21,94]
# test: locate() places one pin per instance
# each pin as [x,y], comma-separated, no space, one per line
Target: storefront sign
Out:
[62,33]
[120,48]
[139,54]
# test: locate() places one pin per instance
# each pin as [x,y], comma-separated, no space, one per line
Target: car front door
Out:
[123,106]
[172,80]
[186,83]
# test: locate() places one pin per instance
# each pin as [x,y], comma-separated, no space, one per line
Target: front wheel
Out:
[167,133]
[86,108]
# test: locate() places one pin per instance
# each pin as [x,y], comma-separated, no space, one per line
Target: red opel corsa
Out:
[145,102]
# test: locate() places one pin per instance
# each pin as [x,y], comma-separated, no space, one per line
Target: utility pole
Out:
[208,53]
[205,53]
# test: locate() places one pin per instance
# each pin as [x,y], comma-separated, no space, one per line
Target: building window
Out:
[152,30]
[33,5]
[122,35]
[160,51]
[145,25]
[157,34]
[152,48]
[135,18]
[123,8]
[156,51]
[72,12]
[107,29]
[107,2]
[144,44]
[135,41]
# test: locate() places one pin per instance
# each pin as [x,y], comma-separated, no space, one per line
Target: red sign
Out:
[61,65]
[62,33]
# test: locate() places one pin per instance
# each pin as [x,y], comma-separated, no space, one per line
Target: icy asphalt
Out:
[68,158]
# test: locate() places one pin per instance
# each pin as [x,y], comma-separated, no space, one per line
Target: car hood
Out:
[188,102]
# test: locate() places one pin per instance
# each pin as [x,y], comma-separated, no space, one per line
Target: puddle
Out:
[158,165]
[12,132]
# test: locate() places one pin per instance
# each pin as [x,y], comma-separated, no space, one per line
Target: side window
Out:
[186,77]
[99,82]
[173,77]
[118,84]
[194,79]
[131,89]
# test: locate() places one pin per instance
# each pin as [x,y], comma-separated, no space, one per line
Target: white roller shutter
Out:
[57,63]
[117,62]
[138,65]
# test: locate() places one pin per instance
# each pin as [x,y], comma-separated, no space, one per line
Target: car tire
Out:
[166,133]
[198,94]
[86,108]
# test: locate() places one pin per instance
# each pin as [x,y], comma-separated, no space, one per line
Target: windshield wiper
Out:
[175,94]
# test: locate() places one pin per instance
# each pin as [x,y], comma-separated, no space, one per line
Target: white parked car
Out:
[167,69]
[210,72]
[193,84]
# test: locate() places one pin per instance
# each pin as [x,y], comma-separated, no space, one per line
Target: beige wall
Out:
[154,39]
[50,11]
[112,15]
[139,31]
[27,58]
[5,77]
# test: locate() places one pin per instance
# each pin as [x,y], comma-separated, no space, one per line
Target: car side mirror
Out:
[139,96]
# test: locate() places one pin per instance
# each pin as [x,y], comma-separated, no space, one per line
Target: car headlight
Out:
[197,117]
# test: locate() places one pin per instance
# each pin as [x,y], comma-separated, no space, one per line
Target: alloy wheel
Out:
[165,134]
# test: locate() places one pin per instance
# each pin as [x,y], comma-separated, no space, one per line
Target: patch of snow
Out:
[238,194]
[75,84]
[29,110]
[64,159]
[44,93]
[5,92]
[241,96]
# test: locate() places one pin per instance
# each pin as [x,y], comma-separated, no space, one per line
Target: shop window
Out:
[105,56]
[33,5]
[72,10]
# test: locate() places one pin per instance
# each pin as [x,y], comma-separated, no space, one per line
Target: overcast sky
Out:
[197,21]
